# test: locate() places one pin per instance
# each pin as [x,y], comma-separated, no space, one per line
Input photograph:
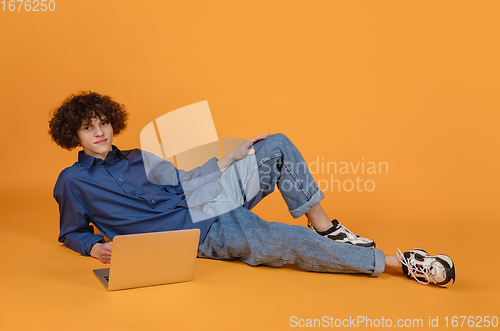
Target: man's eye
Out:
[87,128]
[104,123]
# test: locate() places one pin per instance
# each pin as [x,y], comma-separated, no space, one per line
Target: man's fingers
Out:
[105,258]
[106,252]
[246,148]
[259,137]
[108,246]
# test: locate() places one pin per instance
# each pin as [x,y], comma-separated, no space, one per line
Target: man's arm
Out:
[162,172]
[75,230]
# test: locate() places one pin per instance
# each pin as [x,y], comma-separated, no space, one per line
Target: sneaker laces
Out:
[414,267]
[347,230]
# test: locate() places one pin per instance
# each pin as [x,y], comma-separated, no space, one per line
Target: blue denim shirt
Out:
[117,197]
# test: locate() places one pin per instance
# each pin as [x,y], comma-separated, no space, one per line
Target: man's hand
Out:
[102,252]
[240,152]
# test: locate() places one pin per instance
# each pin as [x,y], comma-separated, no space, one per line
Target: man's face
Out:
[96,138]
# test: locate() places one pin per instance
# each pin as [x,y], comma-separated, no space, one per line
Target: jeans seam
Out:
[297,181]
[304,263]
[264,160]
[247,179]
[252,172]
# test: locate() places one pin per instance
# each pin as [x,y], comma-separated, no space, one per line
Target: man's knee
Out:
[276,140]
[279,138]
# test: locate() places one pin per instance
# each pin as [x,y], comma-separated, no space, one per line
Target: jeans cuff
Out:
[315,199]
[379,263]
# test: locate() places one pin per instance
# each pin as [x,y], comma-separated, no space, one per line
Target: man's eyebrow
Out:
[86,122]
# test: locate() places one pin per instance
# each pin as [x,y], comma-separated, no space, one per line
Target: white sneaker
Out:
[426,269]
[340,233]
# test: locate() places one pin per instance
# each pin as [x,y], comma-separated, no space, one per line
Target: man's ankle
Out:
[323,225]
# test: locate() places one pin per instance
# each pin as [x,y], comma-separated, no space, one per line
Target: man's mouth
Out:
[102,141]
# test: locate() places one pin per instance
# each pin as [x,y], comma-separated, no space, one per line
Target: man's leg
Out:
[241,234]
[393,265]
[318,218]
[278,162]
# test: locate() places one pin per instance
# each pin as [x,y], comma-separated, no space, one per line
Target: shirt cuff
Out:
[87,247]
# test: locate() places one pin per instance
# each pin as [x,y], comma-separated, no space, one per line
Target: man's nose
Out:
[98,131]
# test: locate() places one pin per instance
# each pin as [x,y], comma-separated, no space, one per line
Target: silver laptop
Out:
[148,259]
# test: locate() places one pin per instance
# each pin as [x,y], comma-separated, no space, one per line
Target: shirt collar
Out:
[88,161]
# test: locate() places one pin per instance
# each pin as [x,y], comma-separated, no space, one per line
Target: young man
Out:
[116,192]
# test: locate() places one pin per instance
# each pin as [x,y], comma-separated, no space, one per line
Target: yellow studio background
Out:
[410,84]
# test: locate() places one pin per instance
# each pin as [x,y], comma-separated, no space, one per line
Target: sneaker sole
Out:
[350,243]
[450,275]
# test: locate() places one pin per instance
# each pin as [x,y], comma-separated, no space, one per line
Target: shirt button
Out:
[152,201]
[169,208]
[120,179]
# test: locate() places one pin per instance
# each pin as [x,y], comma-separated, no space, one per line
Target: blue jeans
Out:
[239,233]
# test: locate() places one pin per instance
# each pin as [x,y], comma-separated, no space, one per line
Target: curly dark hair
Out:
[81,108]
